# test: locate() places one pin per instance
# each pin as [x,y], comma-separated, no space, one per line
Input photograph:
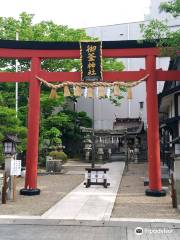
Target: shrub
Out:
[58,155]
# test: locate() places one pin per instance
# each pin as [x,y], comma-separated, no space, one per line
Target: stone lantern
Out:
[87,147]
[9,145]
[136,150]
[9,150]
[100,151]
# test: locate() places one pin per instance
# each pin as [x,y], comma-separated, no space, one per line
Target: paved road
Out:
[84,230]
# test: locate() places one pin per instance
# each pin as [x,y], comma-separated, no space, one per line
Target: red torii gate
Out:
[35,51]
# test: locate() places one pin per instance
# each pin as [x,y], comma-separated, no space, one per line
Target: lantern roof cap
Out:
[11,138]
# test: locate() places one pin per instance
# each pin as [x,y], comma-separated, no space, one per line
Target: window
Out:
[141,105]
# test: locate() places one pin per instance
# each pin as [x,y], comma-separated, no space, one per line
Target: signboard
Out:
[91,61]
[97,176]
[15,168]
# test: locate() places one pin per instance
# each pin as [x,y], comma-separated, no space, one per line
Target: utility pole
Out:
[16,88]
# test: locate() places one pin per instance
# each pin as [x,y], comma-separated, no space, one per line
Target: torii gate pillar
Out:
[155,186]
[33,131]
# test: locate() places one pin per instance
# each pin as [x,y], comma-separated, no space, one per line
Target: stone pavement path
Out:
[94,203]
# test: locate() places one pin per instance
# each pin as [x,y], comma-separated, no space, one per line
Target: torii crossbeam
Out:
[36,51]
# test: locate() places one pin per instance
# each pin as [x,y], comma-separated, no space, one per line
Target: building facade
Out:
[169,105]
[102,110]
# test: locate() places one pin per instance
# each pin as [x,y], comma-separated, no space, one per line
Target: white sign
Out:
[97,176]
[15,168]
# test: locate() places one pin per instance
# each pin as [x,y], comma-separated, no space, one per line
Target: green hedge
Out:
[58,155]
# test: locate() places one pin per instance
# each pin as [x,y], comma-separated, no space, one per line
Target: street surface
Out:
[41,229]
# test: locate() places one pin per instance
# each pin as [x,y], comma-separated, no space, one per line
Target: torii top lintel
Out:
[29,49]
[71,50]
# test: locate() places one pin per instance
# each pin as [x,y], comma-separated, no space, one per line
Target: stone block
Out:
[54,166]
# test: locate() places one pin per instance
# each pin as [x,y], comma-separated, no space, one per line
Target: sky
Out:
[78,13]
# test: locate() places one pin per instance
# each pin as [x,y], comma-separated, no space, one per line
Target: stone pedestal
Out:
[100,151]
[177,178]
[87,155]
[8,159]
[54,166]
[100,154]
[87,147]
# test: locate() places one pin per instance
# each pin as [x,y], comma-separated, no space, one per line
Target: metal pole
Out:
[93,139]
[126,150]
[128,64]
[16,88]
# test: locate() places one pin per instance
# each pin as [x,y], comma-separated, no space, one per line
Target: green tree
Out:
[51,118]
[43,31]
[172,7]
[168,40]
[11,125]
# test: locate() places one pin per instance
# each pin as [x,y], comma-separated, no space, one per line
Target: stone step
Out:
[117,157]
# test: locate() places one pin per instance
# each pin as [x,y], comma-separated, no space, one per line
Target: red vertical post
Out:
[154,167]
[33,131]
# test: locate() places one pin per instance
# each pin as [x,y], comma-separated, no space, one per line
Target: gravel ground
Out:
[53,188]
[131,201]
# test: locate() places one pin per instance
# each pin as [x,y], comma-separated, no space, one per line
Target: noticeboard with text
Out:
[15,168]
[91,61]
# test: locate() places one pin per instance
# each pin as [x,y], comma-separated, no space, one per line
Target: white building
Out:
[103,111]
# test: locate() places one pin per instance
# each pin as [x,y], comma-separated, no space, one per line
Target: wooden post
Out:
[173,192]
[4,189]
[14,188]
